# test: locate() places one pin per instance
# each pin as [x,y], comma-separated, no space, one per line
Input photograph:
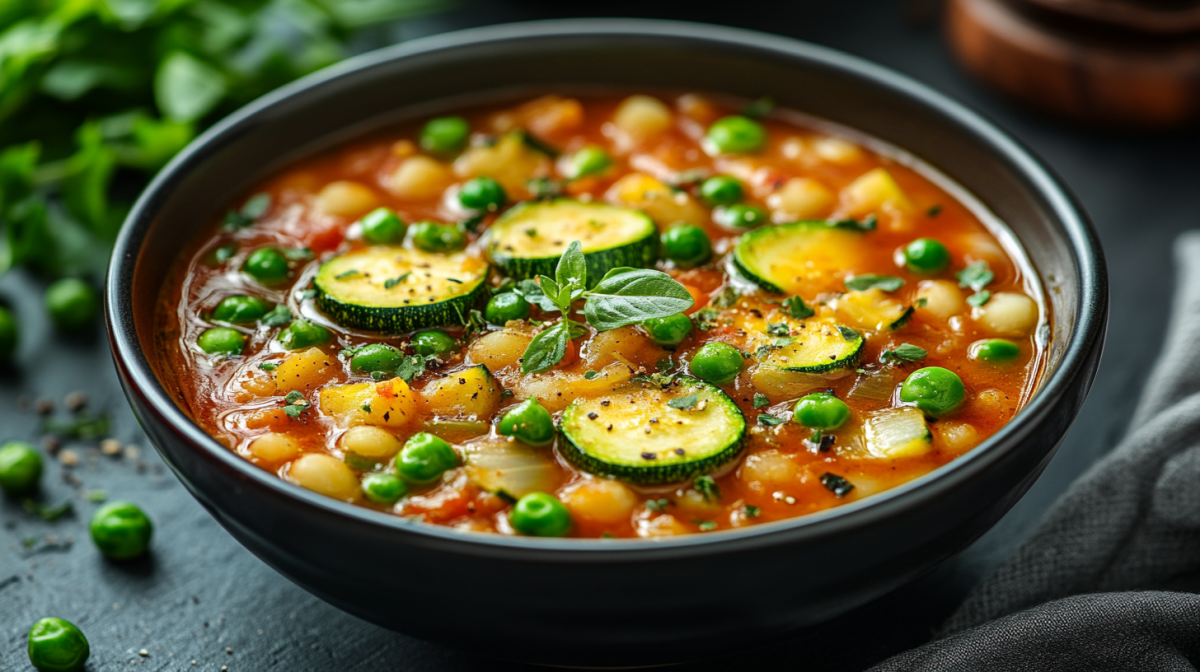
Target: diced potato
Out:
[275,419]
[957,436]
[1008,314]
[600,501]
[557,389]
[647,194]
[940,298]
[836,150]
[387,404]
[769,467]
[419,178]
[873,192]
[800,198]
[274,447]
[664,525]
[626,344]
[551,115]
[346,199]
[326,475]
[257,384]
[471,392]
[370,442]
[305,371]
[642,116]
[498,350]
[510,162]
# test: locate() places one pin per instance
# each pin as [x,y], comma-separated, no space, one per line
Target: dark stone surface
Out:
[201,597]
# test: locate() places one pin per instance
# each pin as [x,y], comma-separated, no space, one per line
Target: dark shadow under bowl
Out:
[610,602]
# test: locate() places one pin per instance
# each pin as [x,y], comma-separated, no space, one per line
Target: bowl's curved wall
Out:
[612,602]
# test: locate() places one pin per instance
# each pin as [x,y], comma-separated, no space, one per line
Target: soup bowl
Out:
[610,602]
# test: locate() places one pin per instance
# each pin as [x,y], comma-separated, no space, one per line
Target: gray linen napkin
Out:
[1131,523]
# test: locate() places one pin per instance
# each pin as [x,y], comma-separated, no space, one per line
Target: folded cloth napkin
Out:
[1130,523]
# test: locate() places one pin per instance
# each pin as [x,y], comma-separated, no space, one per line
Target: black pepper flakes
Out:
[593,415]
[649,456]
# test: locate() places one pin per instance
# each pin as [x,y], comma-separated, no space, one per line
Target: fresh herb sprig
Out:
[623,296]
[976,276]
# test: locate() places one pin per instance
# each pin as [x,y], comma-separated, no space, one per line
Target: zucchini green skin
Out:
[397,318]
[850,360]
[590,446]
[849,352]
[743,257]
[640,252]
[903,319]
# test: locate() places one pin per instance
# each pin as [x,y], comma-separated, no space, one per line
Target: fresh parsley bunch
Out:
[623,296]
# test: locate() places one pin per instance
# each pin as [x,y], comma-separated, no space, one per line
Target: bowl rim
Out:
[1091,314]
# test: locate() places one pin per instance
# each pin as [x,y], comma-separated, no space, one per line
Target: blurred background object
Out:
[1126,64]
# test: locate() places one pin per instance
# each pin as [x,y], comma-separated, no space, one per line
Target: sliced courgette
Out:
[529,239]
[651,436]
[898,432]
[392,290]
[821,346]
[873,309]
[806,257]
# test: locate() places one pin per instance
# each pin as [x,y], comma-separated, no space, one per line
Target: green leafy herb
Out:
[659,505]
[268,366]
[752,511]
[706,318]
[225,253]
[922,301]
[888,283]
[350,273]
[410,367]
[864,225]
[366,408]
[392,282]
[934,210]
[975,276]
[295,404]
[705,485]
[532,292]
[306,294]
[278,317]
[659,379]
[768,420]
[761,400]
[797,308]
[664,365]
[779,329]
[48,513]
[905,352]
[705,525]
[839,486]
[83,426]
[684,403]
[537,145]
[727,298]
[979,298]
[590,375]
[759,108]
[848,333]
[544,188]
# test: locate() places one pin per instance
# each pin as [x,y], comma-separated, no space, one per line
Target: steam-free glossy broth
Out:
[765,317]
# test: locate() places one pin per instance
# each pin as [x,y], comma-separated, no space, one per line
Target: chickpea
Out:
[274,447]
[420,178]
[1008,314]
[346,199]
[957,436]
[642,116]
[800,198]
[599,501]
[837,150]
[942,299]
[662,526]
[326,475]
[370,442]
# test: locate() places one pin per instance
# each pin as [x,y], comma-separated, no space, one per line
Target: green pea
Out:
[375,357]
[591,160]
[670,330]
[445,135]
[736,135]
[303,334]
[821,410]
[994,351]
[433,343]
[926,255]
[56,645]
[482,193]
[540,515]
[507,306]
[529,422]
[267,265]
[435,237]
[240,309]
[20,468]
[72,304]
[934,390]
[739,216]
[722,190]
[222,341]
[686,245]
[424,457]
[121,530]
[382,226]
[718,363]
[383,488]
[9,334]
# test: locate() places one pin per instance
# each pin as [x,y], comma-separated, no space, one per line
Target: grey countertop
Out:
[201,597]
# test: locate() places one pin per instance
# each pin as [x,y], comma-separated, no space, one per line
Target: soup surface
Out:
[763,318]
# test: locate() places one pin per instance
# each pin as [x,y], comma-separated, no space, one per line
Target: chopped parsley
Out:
[905,352]
[975,276]
[225,253]
[888,283]
[706,525]
[392,282]
[797,308]
[768,420]
[761,400]
[848,333]
[934,210]
[346,274]
[979,298]
[684,403]
[779,329]
[752,511]
[590,375]
[296,404]
[410,367]
[705,485]
[727,298]
[867,224]
[839,486]
[268,366]
[659,505]
[278,317]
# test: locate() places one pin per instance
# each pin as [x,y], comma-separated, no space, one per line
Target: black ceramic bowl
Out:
[610,602]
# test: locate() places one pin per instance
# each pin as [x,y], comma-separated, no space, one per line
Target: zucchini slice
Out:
[898,432]
[821,347]
[635,434]
[873,309]
[528,240]
[807,257]
[392,290]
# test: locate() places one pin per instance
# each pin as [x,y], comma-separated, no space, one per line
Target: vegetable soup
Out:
[603,316]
